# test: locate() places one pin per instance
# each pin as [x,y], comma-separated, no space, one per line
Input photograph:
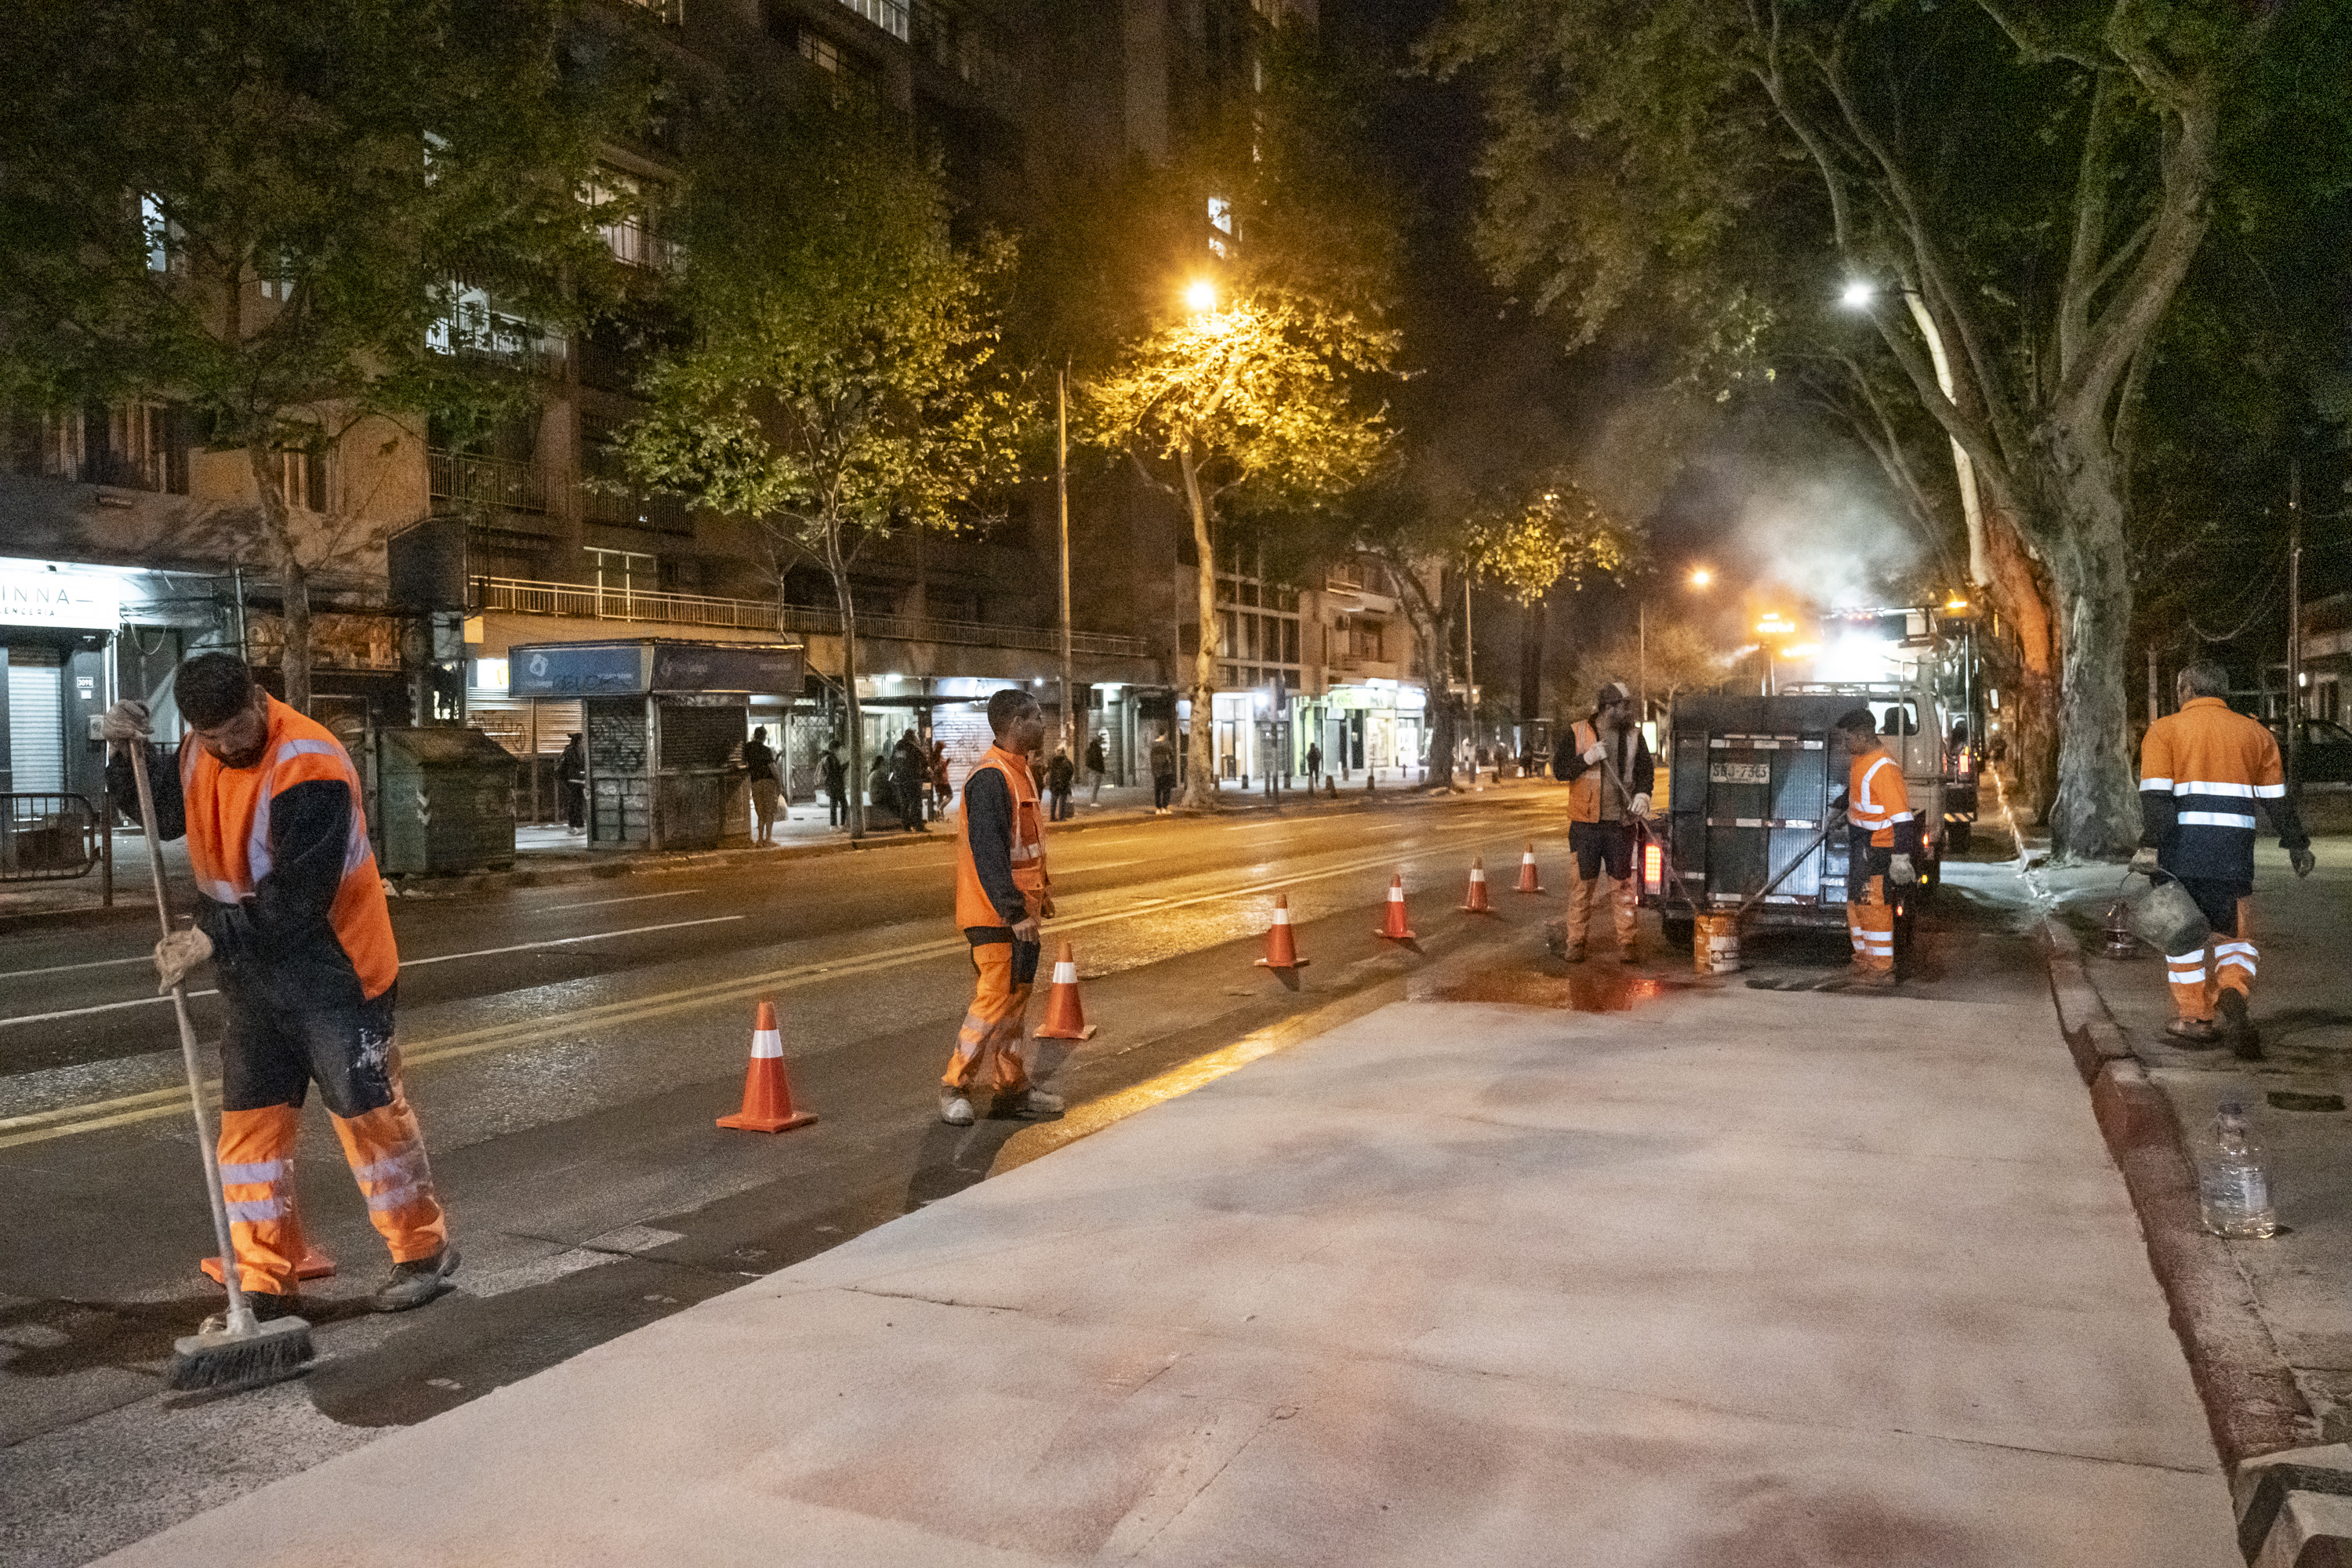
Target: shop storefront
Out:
[1376,726]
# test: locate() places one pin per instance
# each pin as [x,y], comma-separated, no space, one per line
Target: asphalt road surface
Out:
[568,1050]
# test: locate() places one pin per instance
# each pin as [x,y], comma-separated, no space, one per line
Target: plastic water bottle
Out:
[2232,1189]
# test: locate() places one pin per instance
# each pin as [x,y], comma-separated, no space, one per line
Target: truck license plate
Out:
[1739,773]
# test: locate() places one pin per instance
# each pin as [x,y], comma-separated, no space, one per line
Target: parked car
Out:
[2326,751]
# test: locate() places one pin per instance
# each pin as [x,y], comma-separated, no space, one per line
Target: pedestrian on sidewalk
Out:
[878,793]
[835,776]
[1163,776]
[1608,771]
[1882,846]
[761,759]
[909,767]
[2200,771]
[1314,762]
[571,779]
[942,789]
[1002,896]
[1096,765]
[1059,776]
[290,913]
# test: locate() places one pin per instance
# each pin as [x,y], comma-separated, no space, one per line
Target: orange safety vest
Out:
[973,906]
[1876,797]
[1584,790]
[2215,764]
[228,834]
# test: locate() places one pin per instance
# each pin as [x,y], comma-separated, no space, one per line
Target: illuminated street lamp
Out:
[1200,296]
[1700,577]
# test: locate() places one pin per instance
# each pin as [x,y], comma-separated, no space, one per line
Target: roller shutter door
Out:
[36,720]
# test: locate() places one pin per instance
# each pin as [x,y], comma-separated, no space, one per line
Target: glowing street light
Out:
[1700,577]
[1200,296]
[1858,295]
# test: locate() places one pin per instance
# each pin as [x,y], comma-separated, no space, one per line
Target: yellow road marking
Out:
[96,1115]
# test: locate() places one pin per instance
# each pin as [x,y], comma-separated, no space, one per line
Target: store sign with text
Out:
[78,599]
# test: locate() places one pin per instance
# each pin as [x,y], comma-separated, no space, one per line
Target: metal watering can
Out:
[2164,916]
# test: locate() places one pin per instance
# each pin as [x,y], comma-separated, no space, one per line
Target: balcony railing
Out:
[488,484]
[637,509]
[890,15]
[587,601]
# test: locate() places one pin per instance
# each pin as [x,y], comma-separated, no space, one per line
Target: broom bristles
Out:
[271,1353]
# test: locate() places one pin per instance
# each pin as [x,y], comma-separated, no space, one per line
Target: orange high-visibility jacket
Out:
[2202,771]
[264,884]
[1024,852]
[1630,754]
[1877,801]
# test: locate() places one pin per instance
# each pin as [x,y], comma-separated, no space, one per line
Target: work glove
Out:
[1901,872]
[126,722]
[2144,861]
[1597,756]
[1642,806]
[178,954]
[2302,860]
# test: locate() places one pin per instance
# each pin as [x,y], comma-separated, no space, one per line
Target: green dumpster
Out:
[444,803]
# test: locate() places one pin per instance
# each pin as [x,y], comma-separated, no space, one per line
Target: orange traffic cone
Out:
[1527,883]
[767,1092]
[1476,903]
[1064,1018]
[1281,951]
[1392,923]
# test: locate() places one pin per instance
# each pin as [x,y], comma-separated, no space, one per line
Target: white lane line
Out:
[1105,865]
[600,903]
[404,964]
[66,968]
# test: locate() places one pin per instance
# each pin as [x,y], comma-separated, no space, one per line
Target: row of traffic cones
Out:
[768,1089]
[1282,945]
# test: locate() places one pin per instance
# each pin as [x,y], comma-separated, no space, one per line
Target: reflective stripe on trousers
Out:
[989,1046]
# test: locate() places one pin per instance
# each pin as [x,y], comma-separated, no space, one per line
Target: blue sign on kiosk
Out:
[652,667]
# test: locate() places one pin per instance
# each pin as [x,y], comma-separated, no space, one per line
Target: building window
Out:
[163,239]
[472,322]
[890,15]
[1221,220]
[631,211]
[671,13]
[302,480]
[852,76]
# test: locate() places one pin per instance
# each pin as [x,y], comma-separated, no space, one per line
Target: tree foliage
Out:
[290,216]
[2038,179]
[841,380]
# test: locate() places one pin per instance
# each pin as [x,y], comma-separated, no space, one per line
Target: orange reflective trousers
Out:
[989,1046]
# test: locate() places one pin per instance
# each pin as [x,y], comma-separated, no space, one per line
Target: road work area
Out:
[1534,1265]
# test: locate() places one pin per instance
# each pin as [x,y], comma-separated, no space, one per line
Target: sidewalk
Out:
[1620,1271]
[2280,1313]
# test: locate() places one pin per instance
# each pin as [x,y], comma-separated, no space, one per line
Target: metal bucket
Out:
[1715,943]
[2169,919]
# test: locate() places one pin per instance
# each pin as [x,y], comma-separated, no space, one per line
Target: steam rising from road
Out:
[1823,539]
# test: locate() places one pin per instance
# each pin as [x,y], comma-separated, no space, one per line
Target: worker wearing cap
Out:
[1002,896]
[291,915]
[1882,846]
[1610,773]
[2202,771]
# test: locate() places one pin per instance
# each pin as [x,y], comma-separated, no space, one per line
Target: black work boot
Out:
[413,1284]
[2245,1040]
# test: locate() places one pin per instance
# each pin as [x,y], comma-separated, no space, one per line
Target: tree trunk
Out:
[2094,814]
[1201,777]
[293,578]
[847,603]
[2032,714]
[1436,633]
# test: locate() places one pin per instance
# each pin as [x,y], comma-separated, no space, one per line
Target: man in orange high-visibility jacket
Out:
[1610,773]
[2202,771]
[291,913]
[1882,846]
[1002,896]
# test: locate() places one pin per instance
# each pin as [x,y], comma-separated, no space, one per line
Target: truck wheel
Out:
[1678,931]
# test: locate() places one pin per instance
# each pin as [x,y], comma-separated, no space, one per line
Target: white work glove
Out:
[1642,806]
[1597,756]
[2302,860]
[126,722]
[2144,861]
[1901,872]
[178,954]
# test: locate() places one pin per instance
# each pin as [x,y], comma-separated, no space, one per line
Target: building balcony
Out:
[484,484]
[587,601]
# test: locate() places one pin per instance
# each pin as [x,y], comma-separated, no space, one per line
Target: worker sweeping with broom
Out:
[291,914]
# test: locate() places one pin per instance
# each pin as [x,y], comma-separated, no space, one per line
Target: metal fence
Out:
[48,838]
[493,484]
[588,602]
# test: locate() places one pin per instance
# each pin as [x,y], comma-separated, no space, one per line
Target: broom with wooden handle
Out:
[245,1352]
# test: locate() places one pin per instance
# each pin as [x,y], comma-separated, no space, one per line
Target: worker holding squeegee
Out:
[1884,837]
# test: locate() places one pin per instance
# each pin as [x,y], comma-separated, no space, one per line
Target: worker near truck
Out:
[291,915]
[2201,770]
[1882,846]
[1607,764]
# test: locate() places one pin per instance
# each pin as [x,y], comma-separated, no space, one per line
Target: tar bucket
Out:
[2169,920]
[1715,943]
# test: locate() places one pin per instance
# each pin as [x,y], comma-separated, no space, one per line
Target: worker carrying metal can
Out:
[1610,773]
[292,917]
[1881,845]
[2200,771]
[1002,896]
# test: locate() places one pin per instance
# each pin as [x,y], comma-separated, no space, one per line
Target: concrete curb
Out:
[2256,1409]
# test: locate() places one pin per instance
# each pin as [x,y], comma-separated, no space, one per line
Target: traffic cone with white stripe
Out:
[1527,882]
[767,1092]
[1393,923]
[1064,1018]
[1477,901]
[1281,949]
